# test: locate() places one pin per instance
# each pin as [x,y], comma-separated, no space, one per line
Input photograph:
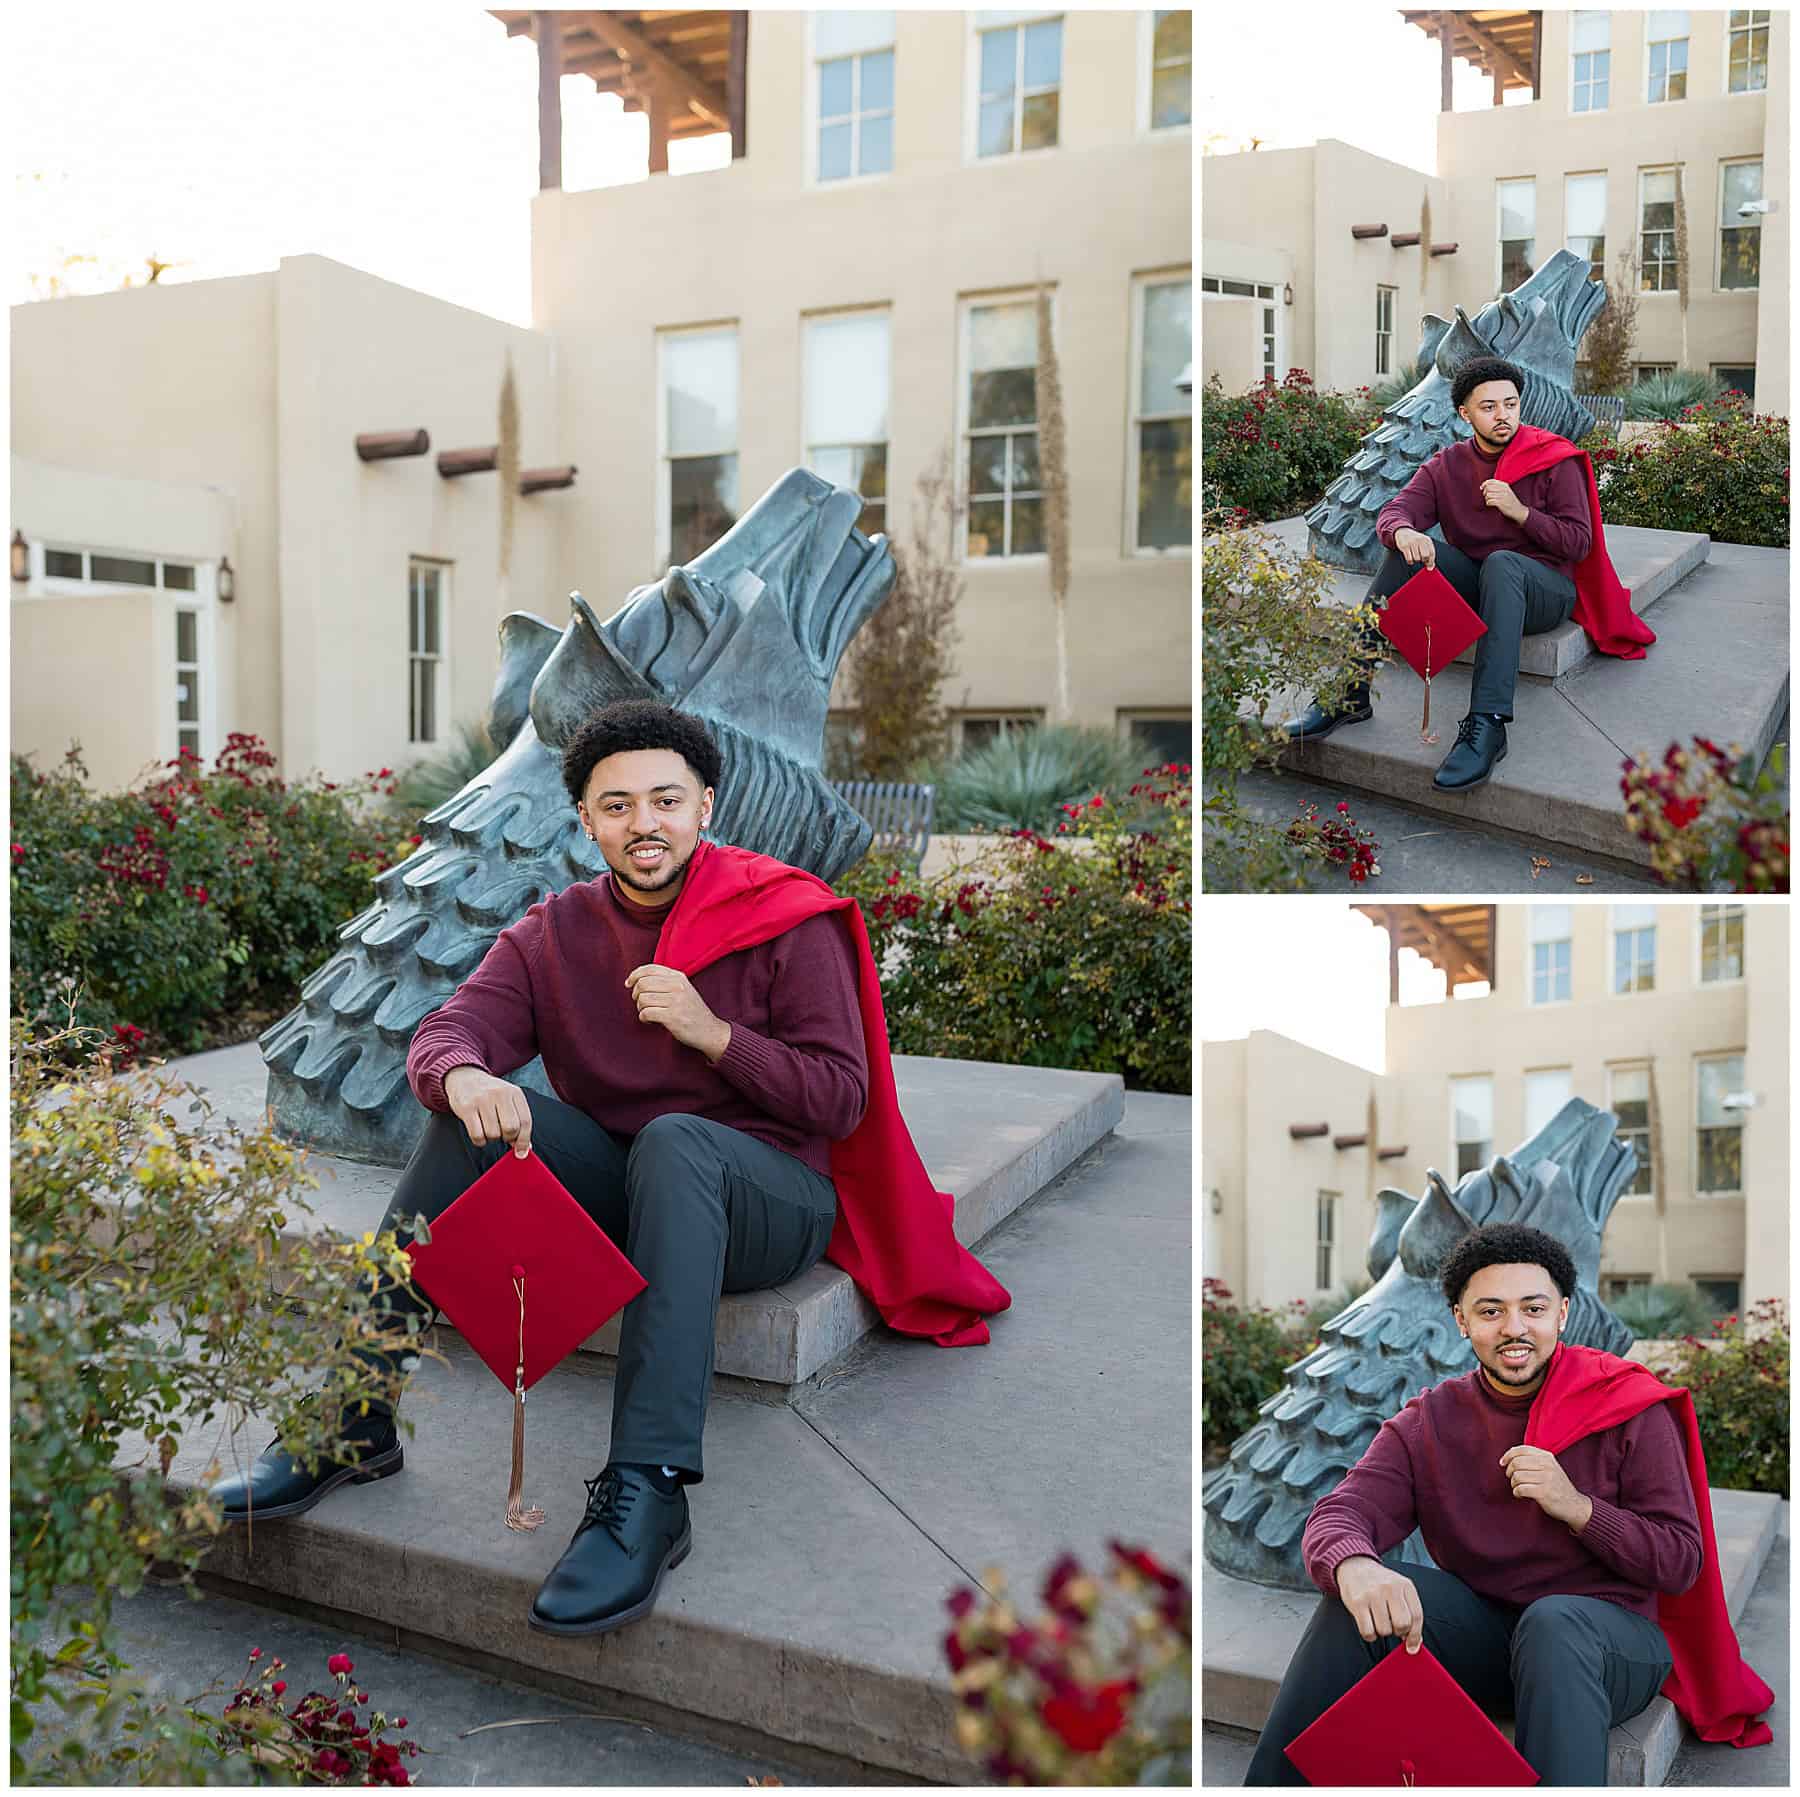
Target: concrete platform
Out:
[991,1135]
[1648,562]
[828,1531]
[1719,669]
[1249,1633]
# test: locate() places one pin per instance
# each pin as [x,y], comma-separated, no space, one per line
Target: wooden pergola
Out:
[1505,45]
[685,69]
[1456,939]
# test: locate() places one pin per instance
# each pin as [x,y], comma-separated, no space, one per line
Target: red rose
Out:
[1087,1720]
[279,1686]
[340,1662]
[1682,812]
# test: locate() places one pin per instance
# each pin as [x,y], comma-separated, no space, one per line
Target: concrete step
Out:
[1249,1633]
[1647,562]
[991,1135]
[1718,669]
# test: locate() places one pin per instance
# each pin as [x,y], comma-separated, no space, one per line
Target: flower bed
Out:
[1724,473]
[1273,451]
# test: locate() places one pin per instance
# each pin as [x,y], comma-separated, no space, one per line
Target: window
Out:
[1161,739]
[978,729]
[1021,82]
[1472,1109]
[1721,943]
[700,425]
[1162,428]
[1747,55]
[1617,1285]
[1723,1295]
[1546,1092]
[1518,231]
[1736,374]
[1551,926]
[1740,231]
[98,567]
[1634,948]
[1384,329]
[1644,370]
[1628,1098]
[847,407]
[1590,44]
[1171,69]
[1718,1132]
[426,582]
[854,84]
[1006,505]
[1327,1232]
[1656,230]
[1584,220]
[1268,344]
[187,679]
[1666,56]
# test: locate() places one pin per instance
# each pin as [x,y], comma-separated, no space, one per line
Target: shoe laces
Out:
[609,1502]
[1465,731]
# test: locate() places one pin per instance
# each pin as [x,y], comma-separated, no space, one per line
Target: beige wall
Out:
[1231,341]
[1768,962]
[754,244]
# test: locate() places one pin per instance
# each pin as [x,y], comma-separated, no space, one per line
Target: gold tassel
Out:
[1425,732]
[517,1516]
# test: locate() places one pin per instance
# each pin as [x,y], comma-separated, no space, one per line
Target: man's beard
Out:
[665,876]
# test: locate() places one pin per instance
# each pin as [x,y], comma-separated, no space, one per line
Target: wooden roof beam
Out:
[1501,59]
[681,87]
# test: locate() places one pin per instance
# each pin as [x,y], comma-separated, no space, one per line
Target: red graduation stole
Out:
[1711,1685]
[894,1234]
[1602,605]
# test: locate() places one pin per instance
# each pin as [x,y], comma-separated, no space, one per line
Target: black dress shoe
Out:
[1480,745]
[1315,721]
[277,1485]
[609,1573]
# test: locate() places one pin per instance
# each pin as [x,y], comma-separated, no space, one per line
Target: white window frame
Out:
[1700,920]
[1127,715]
[1140,284]
[1637,226]
[1008,718]
[1391,295]
[1458,1079]
[1613,931]
[1587,111]
[967,306]
[813,59]
[1647,1163]
[1603,176]
[1145,85]
[664,484]
[1265,295]
[1687,86]
[1326,1211]
[1548,1004]
[1718,270]
[1694,1126]
[41,585]
[1500,254]
[440,686]
[1531,1073]
[807,321]
[972,85]
[1742,93]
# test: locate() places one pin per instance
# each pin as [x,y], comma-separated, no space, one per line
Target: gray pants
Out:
[697,1207]
[1568,1668]
[1513,595]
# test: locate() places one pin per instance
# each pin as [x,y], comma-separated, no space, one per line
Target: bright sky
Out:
[400,138]
[1356,71]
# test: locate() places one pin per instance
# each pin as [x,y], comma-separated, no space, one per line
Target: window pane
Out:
[987,527]
[1474,1104]
[1631,1092]
[1028,527]
[1743,184]
[1004,396]
[178,577]
[1165,512]
[1740,258]
[702,503]
[840,33]
[999,56]
[429,609]
[1591,31]
[701,374]
[187,697]
[1584,205]
[1025,476]
[1174,35]
[847,379]
[1666,24]
[995,138]
[1714,1080]
[1168,346]
[121,570]
[1043,54]
[63,564]
[870,480]
[987,465]
[1545,1094]
[1550,923]
[1721,1159]
[187,637]
[1037,130]
[1165,739]
[834,152]
[189,740]
[1518,208]
[876,156]
[835,85]
[427,702]
[1657,188]
[877,82]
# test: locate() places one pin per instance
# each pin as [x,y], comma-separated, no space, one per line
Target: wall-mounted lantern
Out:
[21,556]
[1287,293]
[227,580]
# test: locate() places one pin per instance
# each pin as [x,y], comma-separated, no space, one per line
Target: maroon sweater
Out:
[1447,490]
[795,1074]
[1436,1466]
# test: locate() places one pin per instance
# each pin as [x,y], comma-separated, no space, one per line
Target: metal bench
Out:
[1608,410]
[899,812]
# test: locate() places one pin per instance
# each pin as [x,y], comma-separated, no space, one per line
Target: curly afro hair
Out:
[1479,372]
[639,724]
[1501,1245]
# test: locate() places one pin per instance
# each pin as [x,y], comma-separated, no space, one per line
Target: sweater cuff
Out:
[1331,1558]
[428,1075]
[748,1061]
[1605,1534]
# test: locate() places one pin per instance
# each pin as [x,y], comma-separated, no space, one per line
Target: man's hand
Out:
[1417,547]
[1498,495]
[1536,1475]
[1381,1601]
[664,996]
[490,1109]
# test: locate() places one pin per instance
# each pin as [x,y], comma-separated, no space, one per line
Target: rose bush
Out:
[1715,822]
[1725,473]
[1243,1355]
[1273,451]
[1740,1387]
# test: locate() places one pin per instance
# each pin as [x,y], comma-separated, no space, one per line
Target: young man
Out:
[1545,1601]
[696,1126]
[1517,549]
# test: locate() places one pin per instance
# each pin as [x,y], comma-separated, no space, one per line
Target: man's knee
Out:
[1549,1627]
[1504,571]
[674,1156]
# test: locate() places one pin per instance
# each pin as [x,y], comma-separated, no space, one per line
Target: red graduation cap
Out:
[1430,623]
[526,1275]
[1407,1723]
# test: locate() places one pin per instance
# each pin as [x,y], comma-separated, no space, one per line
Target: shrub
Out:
[1740,1398]
[426,784]
[1670,395]
[145,1255]
[1392,388]
[1066,952]
[1729,478]
[1715,822]
[192,895]
[1021,780]
[1243,1355]
[1660,1312]
[1273,451]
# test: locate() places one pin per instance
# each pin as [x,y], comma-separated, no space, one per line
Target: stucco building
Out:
[1310,258]
[855,291]
[1672,1016]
